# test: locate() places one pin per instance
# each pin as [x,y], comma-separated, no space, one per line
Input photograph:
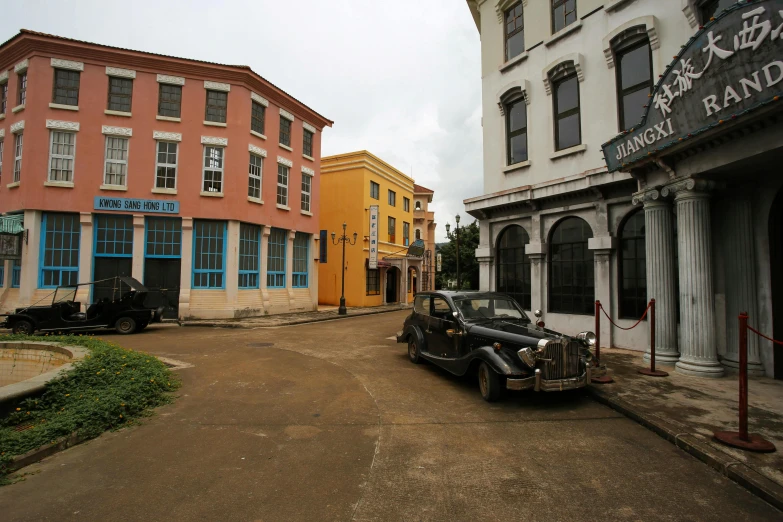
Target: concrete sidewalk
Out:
[687,410]
[324,313]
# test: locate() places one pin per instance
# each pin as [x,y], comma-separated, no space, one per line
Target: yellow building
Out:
[350,184]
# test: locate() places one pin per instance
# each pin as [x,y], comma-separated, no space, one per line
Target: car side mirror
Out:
[455,314]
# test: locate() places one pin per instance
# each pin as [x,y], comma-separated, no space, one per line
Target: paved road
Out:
[329,421]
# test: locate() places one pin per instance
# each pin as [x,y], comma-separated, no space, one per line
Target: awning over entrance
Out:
[13,224]
[730,68]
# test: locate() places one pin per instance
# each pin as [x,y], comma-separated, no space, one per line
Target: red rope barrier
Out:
[632,327]
[764,336]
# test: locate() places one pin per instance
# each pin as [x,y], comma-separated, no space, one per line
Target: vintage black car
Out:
[489,333]
[124,311]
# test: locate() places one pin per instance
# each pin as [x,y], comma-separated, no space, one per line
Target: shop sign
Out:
[438,263]
[373,262]
[416,249]
[729,68]
[136,205]
[10,246]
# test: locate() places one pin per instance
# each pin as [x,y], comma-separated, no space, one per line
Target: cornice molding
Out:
[166,136]
[687,185]
[259,99]
[67,64]
[171,80]
[21,66]
[120,73]
[502,5]
[285,114]
[17,127]
[117,131]
[3,77]
[62,125]
[258,151]
[631,28]
[216,86]
[214,140]
[287,162]
[309,127]
[569,61]
[308,171]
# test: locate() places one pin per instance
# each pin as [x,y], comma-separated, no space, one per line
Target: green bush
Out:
[110,387]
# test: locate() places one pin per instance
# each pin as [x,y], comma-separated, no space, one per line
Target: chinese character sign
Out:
[373,262]
[732,66]
[438,263]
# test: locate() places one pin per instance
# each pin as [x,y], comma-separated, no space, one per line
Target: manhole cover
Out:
[260,345]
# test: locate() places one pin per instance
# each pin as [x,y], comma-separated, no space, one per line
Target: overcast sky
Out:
[399,78]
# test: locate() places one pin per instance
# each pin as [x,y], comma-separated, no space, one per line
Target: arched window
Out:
[632,271]
[418,206]
[571,282]
[418,234]
[513,275]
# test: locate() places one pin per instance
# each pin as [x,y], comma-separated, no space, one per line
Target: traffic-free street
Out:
[330,421]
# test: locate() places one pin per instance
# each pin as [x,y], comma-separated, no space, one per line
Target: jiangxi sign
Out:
[731,67]
[136,205]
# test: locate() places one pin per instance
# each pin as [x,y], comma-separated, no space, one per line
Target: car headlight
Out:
[587,338]
[528,357]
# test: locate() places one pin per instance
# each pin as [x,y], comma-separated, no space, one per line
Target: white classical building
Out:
[687,207]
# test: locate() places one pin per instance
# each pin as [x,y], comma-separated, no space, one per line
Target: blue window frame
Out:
[275,259]
[209,260]
[16,273]
[249,255]
[301,244]
[164,237]
[59,250]
[2,274]
[113,236]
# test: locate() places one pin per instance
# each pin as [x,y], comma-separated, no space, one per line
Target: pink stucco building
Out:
[198,179]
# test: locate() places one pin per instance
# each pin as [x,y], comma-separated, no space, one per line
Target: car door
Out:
[440,320]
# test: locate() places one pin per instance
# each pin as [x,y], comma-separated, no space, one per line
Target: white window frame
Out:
[107,161]
[307,193]
[176,168]
[259,176]
[212,169]
[18,148]
[284,186]
[53,156]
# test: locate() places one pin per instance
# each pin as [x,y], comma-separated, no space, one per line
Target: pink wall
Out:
[90,143]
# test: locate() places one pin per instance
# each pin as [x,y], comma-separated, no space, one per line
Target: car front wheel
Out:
[413,351]
[125,325]
[489,383]
[23,327]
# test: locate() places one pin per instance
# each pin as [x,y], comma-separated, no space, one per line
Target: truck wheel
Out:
[413,351]
[489,383]
[125,325]
[23,327]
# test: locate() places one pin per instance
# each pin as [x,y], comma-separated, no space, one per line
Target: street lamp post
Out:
[456,229]
[343,239]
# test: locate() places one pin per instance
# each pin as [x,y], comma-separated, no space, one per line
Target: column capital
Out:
[689,187]
[647,197]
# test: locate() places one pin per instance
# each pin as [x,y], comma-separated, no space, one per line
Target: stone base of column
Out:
[663,356]
[755,369]
[698,368]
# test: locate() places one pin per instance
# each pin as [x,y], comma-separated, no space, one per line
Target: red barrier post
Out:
[742,439]
[652,372]
[600,379]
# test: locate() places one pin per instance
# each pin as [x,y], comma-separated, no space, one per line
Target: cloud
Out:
[401,79]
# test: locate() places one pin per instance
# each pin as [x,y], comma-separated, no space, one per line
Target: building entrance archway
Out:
[776,283]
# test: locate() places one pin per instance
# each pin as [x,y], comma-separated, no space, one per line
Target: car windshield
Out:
[490,308]
[64,293]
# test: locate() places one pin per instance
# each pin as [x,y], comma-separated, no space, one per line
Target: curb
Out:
[239,324]
[38,454]
[697,446]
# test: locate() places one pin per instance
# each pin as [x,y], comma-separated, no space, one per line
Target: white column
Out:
[699,352]
[265,231]
[602,277]
[186,267]
[85,257]
[232,262]
[484,257]
[661,275]
[289,268]
[137,268]
[31,252]
[537,254]
[741,295]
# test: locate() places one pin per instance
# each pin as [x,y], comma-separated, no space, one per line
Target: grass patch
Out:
[109,388]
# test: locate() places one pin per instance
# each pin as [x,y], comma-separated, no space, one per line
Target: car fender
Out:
[414,331]
[16,317]
[498,360]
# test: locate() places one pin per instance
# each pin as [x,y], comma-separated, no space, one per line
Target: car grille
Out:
[563,360]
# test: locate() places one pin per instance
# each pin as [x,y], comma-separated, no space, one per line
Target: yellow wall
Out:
[345,196]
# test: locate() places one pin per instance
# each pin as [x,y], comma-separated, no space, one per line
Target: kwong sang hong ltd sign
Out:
[731,67]
[136,205]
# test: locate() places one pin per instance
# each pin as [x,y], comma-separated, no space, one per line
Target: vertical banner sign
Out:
[373,264]
[438,263]
[322,243]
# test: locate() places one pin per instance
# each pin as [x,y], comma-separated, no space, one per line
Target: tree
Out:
[468,266]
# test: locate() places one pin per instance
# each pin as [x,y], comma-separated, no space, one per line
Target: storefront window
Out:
[249,255]
[632,269]
[513,276]
[571,281]
[209,260]
[60,255]
[301,242]
[275,260]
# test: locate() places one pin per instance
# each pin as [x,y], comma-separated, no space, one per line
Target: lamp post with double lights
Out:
[456,230]
[336,240]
